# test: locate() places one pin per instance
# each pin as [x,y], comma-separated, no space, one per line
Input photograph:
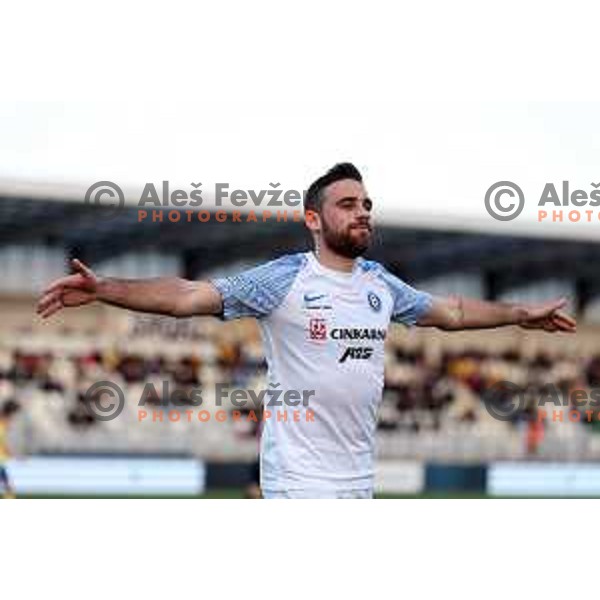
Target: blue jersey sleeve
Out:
[409,304]
[258,291]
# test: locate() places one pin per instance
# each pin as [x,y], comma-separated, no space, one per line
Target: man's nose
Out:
[363,213]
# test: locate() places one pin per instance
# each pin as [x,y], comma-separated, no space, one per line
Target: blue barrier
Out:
[445,477]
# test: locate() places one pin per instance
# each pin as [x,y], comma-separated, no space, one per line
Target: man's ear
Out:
[312,220]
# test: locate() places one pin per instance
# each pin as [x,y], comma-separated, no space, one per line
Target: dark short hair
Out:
[314,194]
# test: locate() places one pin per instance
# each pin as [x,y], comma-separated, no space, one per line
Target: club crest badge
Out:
[374,301]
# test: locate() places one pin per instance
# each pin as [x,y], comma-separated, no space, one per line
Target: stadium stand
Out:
[433,402]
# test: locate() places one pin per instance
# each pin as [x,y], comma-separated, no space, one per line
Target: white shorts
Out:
[318,494]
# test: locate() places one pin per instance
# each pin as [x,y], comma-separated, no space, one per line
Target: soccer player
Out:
[323,317]
[8,410]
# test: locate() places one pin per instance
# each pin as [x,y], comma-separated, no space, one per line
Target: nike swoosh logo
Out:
[308,298]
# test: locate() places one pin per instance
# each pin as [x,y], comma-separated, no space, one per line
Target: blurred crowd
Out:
[72,375]
[425,393]
[461,385]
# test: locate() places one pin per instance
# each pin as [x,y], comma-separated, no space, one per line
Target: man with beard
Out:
[324,317]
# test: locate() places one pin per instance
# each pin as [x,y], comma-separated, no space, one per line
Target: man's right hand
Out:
[74,290]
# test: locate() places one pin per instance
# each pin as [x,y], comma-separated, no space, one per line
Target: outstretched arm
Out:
[457,313]
[163,295]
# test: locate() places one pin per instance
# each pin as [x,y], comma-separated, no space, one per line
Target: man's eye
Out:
[368,204]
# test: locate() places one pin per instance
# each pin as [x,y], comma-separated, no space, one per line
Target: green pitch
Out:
[238,493]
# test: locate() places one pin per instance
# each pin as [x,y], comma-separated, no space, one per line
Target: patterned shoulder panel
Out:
[409,303]
[257,292]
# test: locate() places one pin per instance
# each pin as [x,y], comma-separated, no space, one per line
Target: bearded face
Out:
[346,219]
[350,241]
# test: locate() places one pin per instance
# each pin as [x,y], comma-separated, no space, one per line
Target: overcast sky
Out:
[423,162]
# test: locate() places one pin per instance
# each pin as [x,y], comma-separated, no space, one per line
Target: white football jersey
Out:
[323,334]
